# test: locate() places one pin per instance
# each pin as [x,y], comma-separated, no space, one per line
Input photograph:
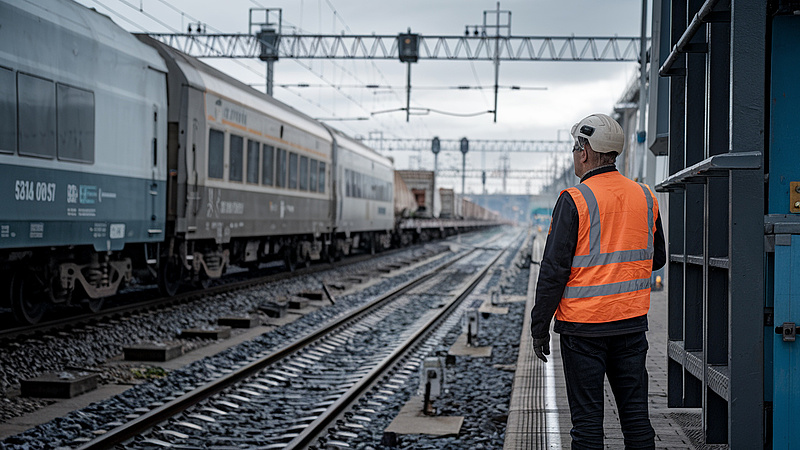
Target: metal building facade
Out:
[734,244]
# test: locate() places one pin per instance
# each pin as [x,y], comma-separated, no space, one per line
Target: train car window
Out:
[281,178]
[253,163]
[216,154]
[75,117]
[292,170]
[312,172]
[268,166]
[236,158]
[37,116]
[8,111]
[349,179]
[303,173]
[322,177]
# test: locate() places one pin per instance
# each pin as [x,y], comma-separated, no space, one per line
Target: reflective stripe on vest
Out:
[597,291]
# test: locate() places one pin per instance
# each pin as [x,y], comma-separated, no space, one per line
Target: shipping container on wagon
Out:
[421,184]
[405,205]
[451,207]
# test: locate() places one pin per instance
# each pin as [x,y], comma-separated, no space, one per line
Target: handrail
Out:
[683,42]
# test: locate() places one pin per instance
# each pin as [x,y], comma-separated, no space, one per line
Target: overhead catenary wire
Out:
[174,30]
[387,128]
[419,111]
[389,87]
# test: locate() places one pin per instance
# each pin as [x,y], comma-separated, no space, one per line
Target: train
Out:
[124,160]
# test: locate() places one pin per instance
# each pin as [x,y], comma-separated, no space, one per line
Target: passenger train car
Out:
[252,179]
[82,153]
[123,158]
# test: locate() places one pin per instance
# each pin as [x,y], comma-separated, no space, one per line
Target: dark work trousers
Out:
[622,359]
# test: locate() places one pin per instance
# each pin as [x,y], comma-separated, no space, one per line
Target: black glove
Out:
[541,347]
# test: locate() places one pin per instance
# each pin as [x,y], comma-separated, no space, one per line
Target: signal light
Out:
[408,47]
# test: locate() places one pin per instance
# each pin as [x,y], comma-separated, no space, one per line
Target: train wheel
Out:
[202,281]
[327,254]
[170,275]
[93,305]
[290,258]
[28,297]
[303,260]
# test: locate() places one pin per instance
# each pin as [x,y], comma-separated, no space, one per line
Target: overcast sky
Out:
[573,89]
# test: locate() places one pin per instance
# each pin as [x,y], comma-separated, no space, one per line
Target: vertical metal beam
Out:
[497,59]
[408,90]
[640,131]
[675,274]
[694,146]
[746,245]
[715,329]
[270,76]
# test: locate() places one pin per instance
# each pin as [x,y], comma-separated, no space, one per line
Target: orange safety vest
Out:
[610,276]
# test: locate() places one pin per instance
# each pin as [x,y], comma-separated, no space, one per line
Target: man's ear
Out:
[585,155]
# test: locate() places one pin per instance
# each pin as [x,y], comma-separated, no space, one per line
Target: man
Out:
[605,239]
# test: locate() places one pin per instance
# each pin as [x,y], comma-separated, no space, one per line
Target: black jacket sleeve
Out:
[556,264]
[659,247]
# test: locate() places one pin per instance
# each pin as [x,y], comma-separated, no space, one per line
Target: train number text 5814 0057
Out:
[35,191]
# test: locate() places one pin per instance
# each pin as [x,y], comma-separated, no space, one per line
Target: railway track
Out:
[156,302]
[302,363]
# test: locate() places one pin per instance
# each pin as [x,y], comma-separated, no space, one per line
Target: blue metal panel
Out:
[784,107]
[785,282]
[786,377]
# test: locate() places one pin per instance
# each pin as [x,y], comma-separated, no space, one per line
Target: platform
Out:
[539,414]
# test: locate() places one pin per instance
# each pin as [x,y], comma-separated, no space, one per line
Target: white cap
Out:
[603,133]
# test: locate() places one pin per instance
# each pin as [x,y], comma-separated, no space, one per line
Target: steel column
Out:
[746,245]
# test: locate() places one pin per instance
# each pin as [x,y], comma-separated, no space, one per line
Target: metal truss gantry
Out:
[479,145]
[480,48]
[514,174]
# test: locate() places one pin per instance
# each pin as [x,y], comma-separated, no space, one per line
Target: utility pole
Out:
[497,37]
[497,58]
[641,133]
[435,147]
[408,52]
[464,150]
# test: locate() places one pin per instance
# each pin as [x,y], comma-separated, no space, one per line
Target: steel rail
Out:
[166,302]
[174,407]
[340,406]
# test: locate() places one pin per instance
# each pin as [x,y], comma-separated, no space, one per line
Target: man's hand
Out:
[541,347]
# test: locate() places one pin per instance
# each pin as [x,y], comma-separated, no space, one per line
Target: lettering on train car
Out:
[235,115]
[36,230]
[99,230]
[72,193]
[226,207]
[26,190]
[116,231]
[87,194]
[217,206]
